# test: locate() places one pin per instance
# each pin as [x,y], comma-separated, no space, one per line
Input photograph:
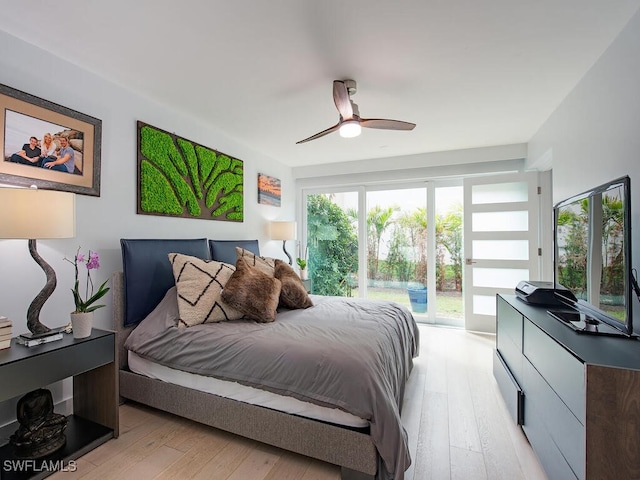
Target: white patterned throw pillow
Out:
[199,284]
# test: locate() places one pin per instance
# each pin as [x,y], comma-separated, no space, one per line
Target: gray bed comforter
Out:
[352,354]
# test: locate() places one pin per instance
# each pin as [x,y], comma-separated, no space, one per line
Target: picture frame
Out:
[22,116]
[178,177]
[269,190]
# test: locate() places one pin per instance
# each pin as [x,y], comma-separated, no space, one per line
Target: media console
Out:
[576,396]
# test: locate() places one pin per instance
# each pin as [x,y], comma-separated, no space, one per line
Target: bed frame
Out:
[351,449]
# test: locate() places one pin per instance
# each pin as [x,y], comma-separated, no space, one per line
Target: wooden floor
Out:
[457,424]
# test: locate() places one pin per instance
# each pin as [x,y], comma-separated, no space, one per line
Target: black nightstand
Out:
[91,363]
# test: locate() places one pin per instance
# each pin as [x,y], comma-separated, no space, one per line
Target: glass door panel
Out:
[500,249]
[332,242]
[499,277]
[509,192]
[448,258]
[396,226]
[508,221]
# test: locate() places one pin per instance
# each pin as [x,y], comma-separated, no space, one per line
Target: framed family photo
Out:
[48,145]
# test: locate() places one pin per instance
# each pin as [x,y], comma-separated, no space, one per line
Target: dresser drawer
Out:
[512,357]
[564,373]
[509,337]
[554,464]
[511,391]
[509,324]
[545,410]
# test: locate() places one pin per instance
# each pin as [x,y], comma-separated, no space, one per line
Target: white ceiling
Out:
[469,73]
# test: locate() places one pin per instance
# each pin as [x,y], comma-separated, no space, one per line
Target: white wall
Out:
[594,135]
[102,221]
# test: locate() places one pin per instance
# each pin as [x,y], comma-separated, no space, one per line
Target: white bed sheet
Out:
[242,393]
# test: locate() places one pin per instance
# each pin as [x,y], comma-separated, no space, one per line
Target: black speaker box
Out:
[543,293]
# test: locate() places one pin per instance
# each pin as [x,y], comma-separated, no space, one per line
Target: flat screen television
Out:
[592,258]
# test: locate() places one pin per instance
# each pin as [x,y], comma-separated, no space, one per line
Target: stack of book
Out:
[5,332]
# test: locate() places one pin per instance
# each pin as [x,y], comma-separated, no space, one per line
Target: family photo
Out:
[37,143]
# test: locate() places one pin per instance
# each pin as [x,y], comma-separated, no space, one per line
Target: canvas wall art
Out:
[269,190]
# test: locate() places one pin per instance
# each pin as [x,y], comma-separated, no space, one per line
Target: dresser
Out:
[575,395]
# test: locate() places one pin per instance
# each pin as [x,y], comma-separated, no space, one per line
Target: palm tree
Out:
[613,245]
[451,238]
[378,220]
[415,225]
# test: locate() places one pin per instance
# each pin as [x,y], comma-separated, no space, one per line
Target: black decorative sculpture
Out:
[33,313]
[41,431]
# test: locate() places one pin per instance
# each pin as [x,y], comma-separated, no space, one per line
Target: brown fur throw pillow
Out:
[293,293]
[199,284]
[252,292]
[264,264]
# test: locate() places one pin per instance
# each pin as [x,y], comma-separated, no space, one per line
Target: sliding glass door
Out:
[397,244]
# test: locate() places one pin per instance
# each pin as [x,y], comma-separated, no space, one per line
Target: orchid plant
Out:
[92,262]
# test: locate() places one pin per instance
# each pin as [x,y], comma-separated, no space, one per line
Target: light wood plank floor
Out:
[457,424]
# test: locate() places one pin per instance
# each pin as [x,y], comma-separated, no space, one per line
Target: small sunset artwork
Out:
[269,190]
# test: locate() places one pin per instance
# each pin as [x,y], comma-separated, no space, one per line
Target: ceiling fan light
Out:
[350,129]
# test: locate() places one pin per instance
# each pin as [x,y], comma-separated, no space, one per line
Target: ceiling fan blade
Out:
[321,134]
[342,100]
[386,124]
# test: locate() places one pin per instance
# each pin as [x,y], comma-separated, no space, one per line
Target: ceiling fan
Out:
[350,123]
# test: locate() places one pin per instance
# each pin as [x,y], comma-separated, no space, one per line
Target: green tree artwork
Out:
[177,177]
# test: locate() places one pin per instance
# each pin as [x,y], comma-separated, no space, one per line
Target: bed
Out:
[306,405]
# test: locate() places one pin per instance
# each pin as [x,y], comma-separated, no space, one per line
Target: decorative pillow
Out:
[252,292]
[264,264]
[199,284]
[293,293]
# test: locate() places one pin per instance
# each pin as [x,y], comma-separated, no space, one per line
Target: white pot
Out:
[304,274]
[81,324]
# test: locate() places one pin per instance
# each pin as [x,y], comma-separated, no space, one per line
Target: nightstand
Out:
[91,363]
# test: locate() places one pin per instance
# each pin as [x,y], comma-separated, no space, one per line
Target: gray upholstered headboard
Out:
[148,274]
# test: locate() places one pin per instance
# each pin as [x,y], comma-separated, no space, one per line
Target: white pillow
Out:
[199,284]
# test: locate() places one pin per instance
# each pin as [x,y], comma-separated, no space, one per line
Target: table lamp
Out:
[284,231]
[29,213]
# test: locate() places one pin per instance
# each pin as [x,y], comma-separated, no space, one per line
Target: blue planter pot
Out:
[418,299]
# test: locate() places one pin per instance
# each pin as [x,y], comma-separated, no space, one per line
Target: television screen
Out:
[593,251]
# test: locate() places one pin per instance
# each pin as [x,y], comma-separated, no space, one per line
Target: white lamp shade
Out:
[283,230]
[29,213]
